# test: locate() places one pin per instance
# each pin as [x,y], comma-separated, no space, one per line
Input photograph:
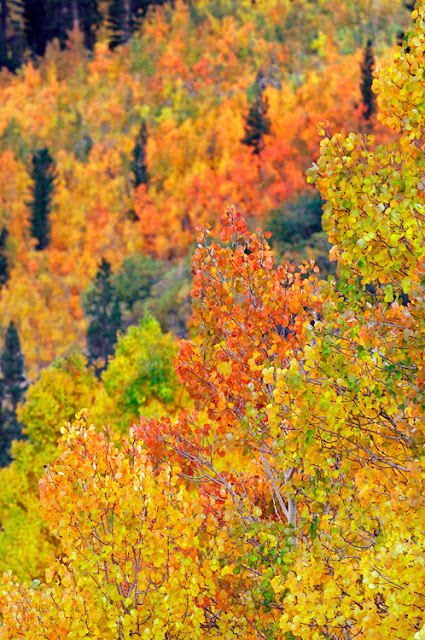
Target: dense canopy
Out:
[268,482]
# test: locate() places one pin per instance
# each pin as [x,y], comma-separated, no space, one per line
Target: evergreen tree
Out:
[4,266]
[12,43]
[36,25]
[12,368]
[257,123]
[6,437]
[124,18]
[4,58]
[45,20]
[64,11]
[138,165]
[89,18]
[12,387]
[43,176]
[367,67]
[120,22]
[16,39]
[102,307]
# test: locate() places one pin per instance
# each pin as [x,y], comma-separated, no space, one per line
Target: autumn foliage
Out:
[87,109]
[285,498]
[288,504]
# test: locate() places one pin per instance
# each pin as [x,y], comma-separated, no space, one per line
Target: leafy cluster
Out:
[139,380]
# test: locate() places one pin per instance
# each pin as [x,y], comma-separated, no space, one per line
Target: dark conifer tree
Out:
[16,40]
[102,307]
[12,42]
[3,18]
[257,123]
[36,25]
[89,19]
[4,57]
[4,265]
[6,437]
[43,176]
[138,166]
[45,20]
[367,68]
[12,387]
[12,368]
[64,20]
[124,18]
[120,22]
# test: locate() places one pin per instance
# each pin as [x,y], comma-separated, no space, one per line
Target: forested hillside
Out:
[212,312]
[145,143]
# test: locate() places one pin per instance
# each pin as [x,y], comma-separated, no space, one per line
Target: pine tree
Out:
[43,176]
[4,265]
[89,18]
[11,37]
[63,10]
[4,57]
[6,437]
[36,25]
[257,124]
[367,67]
[120,22]
[102,307]
[124,18]
[138,165]
[12,368]
[45,20]
[16,39]
[12,387]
